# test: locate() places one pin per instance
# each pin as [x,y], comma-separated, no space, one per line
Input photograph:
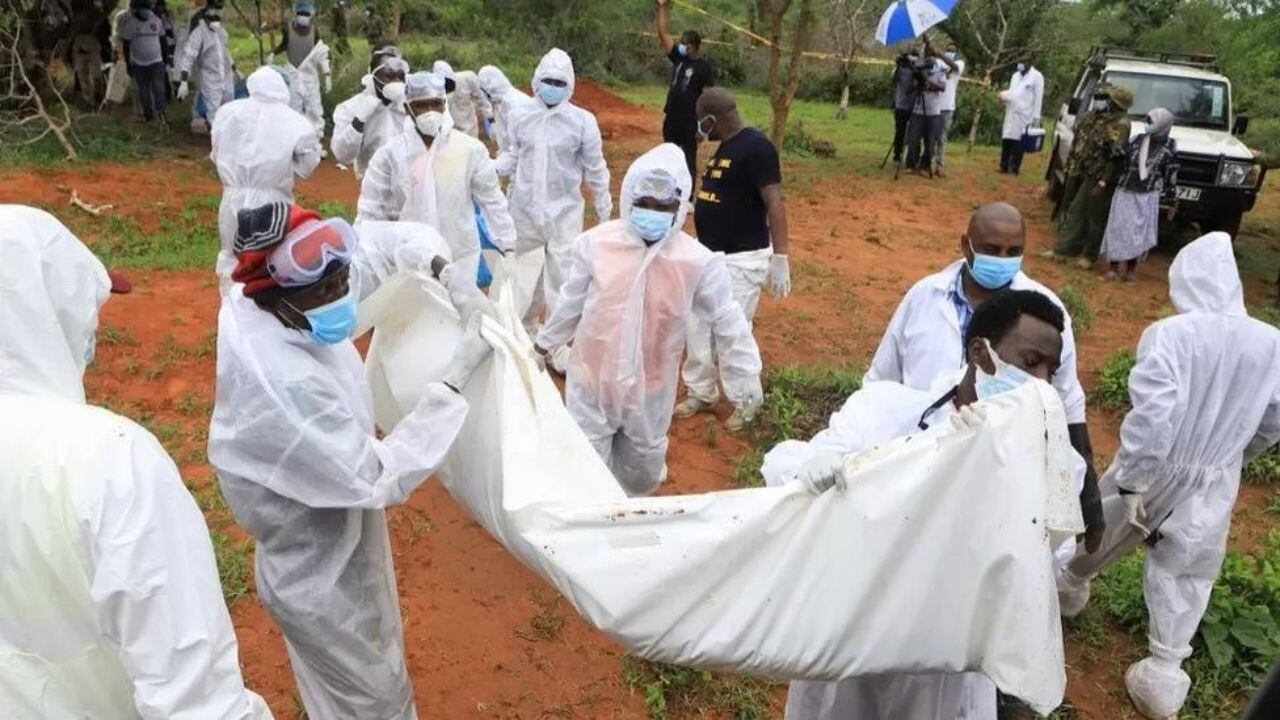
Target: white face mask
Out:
[393,92]
[215,24]
[1007,377]
[429,123]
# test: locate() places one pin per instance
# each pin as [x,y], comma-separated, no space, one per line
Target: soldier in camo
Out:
[1093,168]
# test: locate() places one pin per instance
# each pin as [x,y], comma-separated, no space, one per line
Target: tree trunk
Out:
[338,18]
[781,94]
[977,110]
[842,113]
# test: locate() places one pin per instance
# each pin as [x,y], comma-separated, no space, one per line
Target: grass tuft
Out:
[1113,380]
[672,691]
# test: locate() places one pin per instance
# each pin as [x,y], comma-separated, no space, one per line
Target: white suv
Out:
[1219,177]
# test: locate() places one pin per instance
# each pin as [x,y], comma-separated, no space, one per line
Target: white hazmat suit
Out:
[502,97]
[924,342]
[626,306]
[110,605]
[207,59]
[1023,101]
[260,146]
[552,150]
[1206,399]
[294,445]
[380,122]
[313,75]
[466,103]
[387,247]
[406,180]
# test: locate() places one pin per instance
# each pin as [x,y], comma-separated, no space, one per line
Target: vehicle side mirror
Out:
[1073,106]
[1241,126]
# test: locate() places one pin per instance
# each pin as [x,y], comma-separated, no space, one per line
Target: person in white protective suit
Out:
[1206,400]
[467,103]
[924,341]
[206,58]
[385,248]
[301,466]
[1023,103]
[364,123]
[313,73]
[502,97]
[1015,337]
[434,174]
[260,146]
[110,605]
[632,286]
[554,146]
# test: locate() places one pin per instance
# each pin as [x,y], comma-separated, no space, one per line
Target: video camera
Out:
[918,66]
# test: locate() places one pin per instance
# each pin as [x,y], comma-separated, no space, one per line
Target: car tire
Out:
[1055,189]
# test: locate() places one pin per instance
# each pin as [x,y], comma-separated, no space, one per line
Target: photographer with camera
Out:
[904,97]
[925,127]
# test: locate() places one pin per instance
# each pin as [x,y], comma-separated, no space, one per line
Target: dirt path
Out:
[485,638]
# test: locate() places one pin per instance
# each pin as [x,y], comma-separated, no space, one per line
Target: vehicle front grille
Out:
[1197,170]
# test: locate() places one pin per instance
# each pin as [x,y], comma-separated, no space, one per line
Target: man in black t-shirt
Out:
[690,74]
[739,212]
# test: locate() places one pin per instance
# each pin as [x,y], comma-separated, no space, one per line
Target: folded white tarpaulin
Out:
[936,558]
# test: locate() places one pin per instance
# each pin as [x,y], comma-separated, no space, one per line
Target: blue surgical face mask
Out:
[993,272]
[1007,377]
[333,322]
[682,50]
[651,225]
[302,21]
[951,55]
[551,94]
[1022,67]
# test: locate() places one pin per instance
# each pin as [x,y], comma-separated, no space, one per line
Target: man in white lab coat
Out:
[1206,399]
[1023,103]
[1025,329]
[923,343]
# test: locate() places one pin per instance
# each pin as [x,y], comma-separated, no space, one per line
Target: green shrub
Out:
[797,140]
[1264,135]
[1077,307]
[968,99]
[1113,380]
[799,401]
[1264,469]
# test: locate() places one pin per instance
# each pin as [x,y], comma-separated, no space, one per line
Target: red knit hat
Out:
[259,230]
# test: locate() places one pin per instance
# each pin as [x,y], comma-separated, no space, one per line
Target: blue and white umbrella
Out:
[908,19]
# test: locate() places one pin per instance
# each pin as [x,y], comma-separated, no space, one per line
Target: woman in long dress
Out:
[1152,171]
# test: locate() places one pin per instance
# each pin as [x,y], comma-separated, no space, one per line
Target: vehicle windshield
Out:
[1194,102]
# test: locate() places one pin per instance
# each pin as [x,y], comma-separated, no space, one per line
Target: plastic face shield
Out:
[308,250]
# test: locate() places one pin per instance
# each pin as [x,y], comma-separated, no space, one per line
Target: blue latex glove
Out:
[484,278]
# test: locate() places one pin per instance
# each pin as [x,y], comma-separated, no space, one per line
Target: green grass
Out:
[798,403]
[1077,307]
[1113,380]
[1264,469]
[671,691]
[232,556]
[186,241]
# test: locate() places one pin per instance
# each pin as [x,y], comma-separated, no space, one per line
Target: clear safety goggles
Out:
[657,184]
[308,250]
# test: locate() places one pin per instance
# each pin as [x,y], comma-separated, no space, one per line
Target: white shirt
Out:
[924,343]
[953,82]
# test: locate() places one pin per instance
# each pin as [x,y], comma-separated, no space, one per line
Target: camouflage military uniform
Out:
[1096,155]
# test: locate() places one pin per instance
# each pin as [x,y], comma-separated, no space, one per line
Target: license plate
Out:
[1188,193]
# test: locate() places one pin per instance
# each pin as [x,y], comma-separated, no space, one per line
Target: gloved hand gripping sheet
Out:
[937,557]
